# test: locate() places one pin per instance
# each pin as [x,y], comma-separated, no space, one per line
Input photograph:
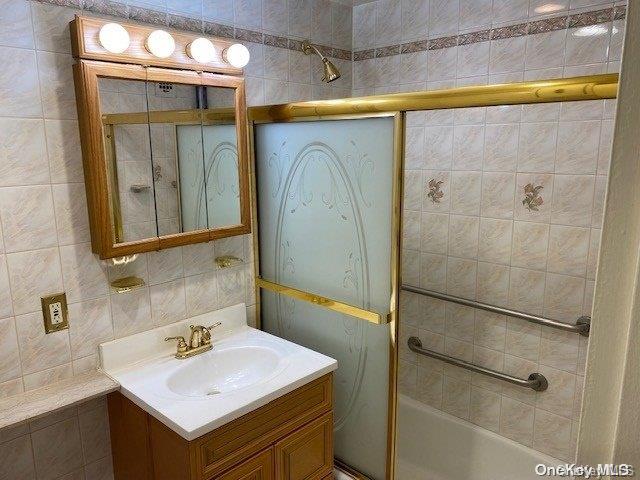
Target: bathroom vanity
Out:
[254,406]
[289,438]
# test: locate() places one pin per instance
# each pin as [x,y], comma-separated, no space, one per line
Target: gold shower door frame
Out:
[591,87]
[389,318]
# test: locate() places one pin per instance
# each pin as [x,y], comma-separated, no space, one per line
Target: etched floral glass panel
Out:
[325,202]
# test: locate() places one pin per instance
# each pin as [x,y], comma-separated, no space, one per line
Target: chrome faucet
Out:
[199,341]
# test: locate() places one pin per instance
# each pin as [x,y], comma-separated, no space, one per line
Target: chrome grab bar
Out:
[582,325]
[536,381]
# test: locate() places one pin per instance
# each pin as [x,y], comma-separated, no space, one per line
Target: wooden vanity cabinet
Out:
[290,438]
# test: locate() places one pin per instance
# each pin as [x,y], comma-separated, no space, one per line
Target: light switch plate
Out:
[55,312]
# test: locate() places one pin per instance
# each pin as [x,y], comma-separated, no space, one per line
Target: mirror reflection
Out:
[172,157]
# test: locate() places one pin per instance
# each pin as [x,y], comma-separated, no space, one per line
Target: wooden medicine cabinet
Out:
[164,142]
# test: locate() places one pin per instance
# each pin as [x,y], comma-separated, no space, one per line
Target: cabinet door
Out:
[259,467]
[306,454]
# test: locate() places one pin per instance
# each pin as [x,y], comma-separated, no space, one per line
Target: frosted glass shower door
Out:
[325,196]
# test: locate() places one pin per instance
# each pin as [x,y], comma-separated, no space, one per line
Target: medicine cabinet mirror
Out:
[165,156]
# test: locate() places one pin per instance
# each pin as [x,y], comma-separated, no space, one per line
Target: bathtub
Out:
[433,445]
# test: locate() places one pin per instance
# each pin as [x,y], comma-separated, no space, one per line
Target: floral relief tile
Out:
[533,199]
[532,191]
[436,191]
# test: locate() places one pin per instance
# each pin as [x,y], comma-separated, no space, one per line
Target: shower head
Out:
[331,72]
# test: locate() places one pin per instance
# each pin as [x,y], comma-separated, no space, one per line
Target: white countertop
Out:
[172,390]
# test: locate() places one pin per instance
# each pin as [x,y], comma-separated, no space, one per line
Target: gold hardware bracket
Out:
[227,261]
[321,301]
[126,284]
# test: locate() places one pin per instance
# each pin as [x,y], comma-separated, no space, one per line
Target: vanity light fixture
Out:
[160,44]
[237,55]
[202,50]
[114,37]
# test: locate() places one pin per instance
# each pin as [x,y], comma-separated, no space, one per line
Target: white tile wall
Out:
[480,241]
[44,236]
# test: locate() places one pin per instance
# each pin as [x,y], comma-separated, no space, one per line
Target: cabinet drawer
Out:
[259,467]
[306,454]
[255,431]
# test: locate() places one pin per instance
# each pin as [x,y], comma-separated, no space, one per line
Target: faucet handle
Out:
[207,332]
[182,344]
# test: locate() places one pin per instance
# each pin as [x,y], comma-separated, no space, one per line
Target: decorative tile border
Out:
[155,17]
[529,28]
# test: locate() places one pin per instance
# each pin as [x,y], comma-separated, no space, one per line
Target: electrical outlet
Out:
[54,311]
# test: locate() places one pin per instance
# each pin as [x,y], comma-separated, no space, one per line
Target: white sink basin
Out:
[245,369]
[224,370]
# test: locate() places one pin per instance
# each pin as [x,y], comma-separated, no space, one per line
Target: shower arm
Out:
[308,48]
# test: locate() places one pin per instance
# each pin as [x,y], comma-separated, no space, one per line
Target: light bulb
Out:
[114,37]
[237,55]
[160,44]
[201,50]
